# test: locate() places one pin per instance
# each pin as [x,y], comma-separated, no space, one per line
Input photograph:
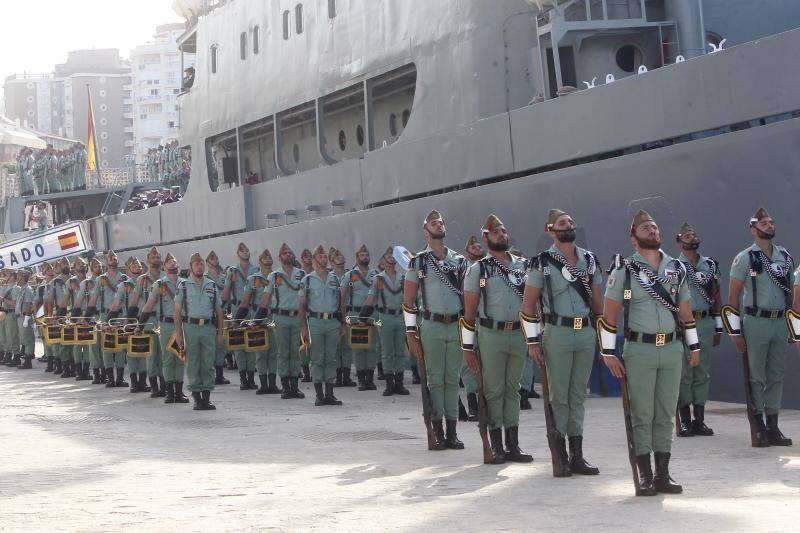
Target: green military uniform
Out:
[236,278]
[85,290]
[59,291]
[25,321]
[356,287]
[6,350]
[145,284]
[137,366]
[51,173]
[42,291]
[12,297]
[343,356]
[80,168]
[266,360]
[221,346]
[81,353]
[105,289]
[388,293]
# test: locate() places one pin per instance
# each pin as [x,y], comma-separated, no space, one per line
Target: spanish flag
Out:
[91,141]
[68,240]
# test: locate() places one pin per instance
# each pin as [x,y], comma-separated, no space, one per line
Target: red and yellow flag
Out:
[68,240]
[91,141]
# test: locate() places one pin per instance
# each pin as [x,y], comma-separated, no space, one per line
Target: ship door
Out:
[568,74]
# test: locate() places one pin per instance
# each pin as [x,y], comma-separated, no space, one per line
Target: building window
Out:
[153,92]
[286,22]
[214,49]
[171,124]
[360,135]
[331,9]
[342,140]
[243,45]
[298,16]
[256,35]
[143,116]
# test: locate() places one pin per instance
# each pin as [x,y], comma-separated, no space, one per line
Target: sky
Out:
[35,35]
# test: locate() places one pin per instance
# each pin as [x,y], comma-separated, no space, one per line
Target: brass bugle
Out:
[351,320]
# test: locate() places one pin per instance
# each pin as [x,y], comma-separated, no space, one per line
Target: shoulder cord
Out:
[654,277]
[582,275]
[691,274]
[441,272]
[503,273]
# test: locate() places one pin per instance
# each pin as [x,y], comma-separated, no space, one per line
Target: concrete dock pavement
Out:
[80,457]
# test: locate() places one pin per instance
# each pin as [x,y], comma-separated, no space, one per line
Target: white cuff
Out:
[718,327]
[691,338]
[608,337]
[793,321]
[732,320]
[410,318]
[531,328]
[466,334]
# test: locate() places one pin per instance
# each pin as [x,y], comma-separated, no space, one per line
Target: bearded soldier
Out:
[762,332]
[703,280]
[214,273]
[84,294]
[343,353]
[42,300]
[474,252]
[356,286]
[103,295]
[650,287]
[436,275]
[235,284]
[4,288]
[281,298]
[493,292]
[80,352]
[25,320]
[120,307]
[9,324]
[58,292]
[321,324]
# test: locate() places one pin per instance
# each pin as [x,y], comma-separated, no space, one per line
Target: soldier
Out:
[281,297]
[650,287]
[40,216]
[763,330]
[6,351]
[145,284]
[564,290]
[161,304]
[235,282]
[306,260]
[84,294]
[198,315]
[58,297]
[51,171]
[25,320]
[122,307]
[436,274]
[703,280]
[214,273]
[80,352]
[42,300]
[387,293]
[10,323]
[321,323]
[103,295]
[355,288]
[474,252]
[343,354]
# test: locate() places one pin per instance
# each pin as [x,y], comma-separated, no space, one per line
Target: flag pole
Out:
[91,142]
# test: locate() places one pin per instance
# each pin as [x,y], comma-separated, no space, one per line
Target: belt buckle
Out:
[577,323]
[661,339]
[627,294]
[774,314]
[508,326]
[446,319]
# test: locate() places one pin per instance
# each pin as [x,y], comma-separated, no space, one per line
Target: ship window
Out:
[629,58]
[286,17]
[342,140]
[256,35]
[393,124]
[360,135]
[331,9]
[298,18]
[243,45]
[214,48]
[296,153]
[406,116]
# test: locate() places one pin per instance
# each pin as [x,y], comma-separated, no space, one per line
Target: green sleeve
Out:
[535,278]
[614,285]
[472,281]
[411,274]
[740,266]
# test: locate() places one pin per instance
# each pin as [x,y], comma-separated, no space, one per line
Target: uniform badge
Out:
[646,281]
[567,274]
[611,281]
[420,274]
[778,269]
[737,260]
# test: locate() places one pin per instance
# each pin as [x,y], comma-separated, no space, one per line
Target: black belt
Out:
[387,311]
[199,321]
[356,308]
[325,316]
[576,323]
[764,313]
[700,315]
[286,312]
[659,339]
[168,320]
[496,324]
[436,317]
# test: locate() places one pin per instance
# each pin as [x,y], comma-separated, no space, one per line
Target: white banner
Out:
[38,247]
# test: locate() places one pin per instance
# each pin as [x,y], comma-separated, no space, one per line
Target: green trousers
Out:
[171,367]
[569,355]
[81,353]
[503,354]
[3,344]
[654,377]
[12,332]
[137,364]
[246,361]
[287,333]
[368,358]
[467,377]
[443,358]
[96,354]
[343,358]
[267,360]
[155,362]
[766,349]
[27,339]
[393,344]
[695,380]
[220,353]
[324,340]
[65,352]
[200,343]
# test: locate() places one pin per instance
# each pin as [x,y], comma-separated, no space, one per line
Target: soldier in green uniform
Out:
[198,317]
[650,287]
[266,361]
[343,356]
[6,350]
[10,323]
[80,353]
[120,308]
[51,171]
[703,280]
[145,284]
[214,273]
[474,252]
[57,297]
[321,324]
[25,320]
[235,285]
[84,294]
[281,298]
[103,294]
[161,305]
[761,284]
[386,293]
[307,264]
[564,291]
[43,301]
[356,286]
[436,275]
[493,291]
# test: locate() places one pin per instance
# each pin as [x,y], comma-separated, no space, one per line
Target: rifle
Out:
[626,409]
[427,405]
[483,413]
[748,398]
[552,432]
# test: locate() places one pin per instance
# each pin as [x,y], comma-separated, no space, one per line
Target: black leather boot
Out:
[338,382]
[121,378]
[179,397]
[306,374]
[243,385]
[26,363]
[646,486]
[346,381]
[229,361]
[524,404]
[389,390]
[462,411]
[686,427]
[287,389]
[110,378]
[561,461]
[251,380]
[161,387]
[496,439]
[362,380]
[170,398]
[69,369]
[96,374]
[272,387]
[398,384]
[220,379]
[533,394]
[699,426]
[381,375]
[134,382]
[415,379]
[15,360]
[438,433]
[207,405]
[513,451]
[320,395]
[330,399]
[58,368]
[451,440]
[262,378]
[577,463]
[104,376]
[369,377]
[472,406]
[198,401]
[759,439]
[662,481]
[143,383]
[155,390]
[49,367]
[85,371]
[774,435]
[296,393]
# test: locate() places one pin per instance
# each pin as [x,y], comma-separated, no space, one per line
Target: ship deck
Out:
[81,457]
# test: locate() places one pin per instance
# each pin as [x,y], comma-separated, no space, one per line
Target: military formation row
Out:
[49,170]
[169,164]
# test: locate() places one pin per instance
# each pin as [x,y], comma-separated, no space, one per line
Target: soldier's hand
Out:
[304,334]
[413,344]
[472,361]
[220,336]
[717,338]
[535,353]
[694,359]
[738,341]
[614,366]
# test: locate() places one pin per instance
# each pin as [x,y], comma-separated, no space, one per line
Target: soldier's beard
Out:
[244,256]
[172,270]
[498,246]
[648,244]
[440,235]
[82,270]
[694,245]
[764,235]
[567,235]
[364,262]
[65,271]
[155,264]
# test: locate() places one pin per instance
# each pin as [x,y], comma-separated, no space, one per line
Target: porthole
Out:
[102,79]
[30,112]
[104,135]
[103,107]
[342,140]
[102,93]
[104,149]
[104,164]
[29,85]
[296,153]
[360,135]
[393,124]
[29,99]
[629,58]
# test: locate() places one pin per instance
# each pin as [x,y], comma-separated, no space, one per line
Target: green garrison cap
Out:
[195,258]
[640,218]
[319,250]
[686,228]
[491,222]
[472,240]
[363,248]
[553,215]
[761,213]
[433,215]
